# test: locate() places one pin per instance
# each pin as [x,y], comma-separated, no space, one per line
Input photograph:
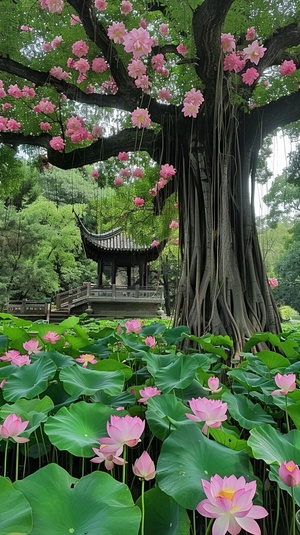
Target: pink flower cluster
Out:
[57,143]
[47,47]
[44,106]
[76,131]
[192,102]
[9,124]
[287,68]
[54,6]
[121,431]
[15,358]
[166,172]
[236,61]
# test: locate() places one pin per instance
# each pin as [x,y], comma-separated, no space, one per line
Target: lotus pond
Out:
[124,429]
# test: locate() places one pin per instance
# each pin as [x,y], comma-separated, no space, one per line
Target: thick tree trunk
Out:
[223,287]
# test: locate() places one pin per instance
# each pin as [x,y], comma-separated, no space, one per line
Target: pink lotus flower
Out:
[144,467]
[133,326]
[51,337]
[254,52]
[210,411]
[229,500]
[147,393]
[99,65]
[251,34]
[86,359]
[57,143]
[150,341]
[80,49]
[116,32]
[32,346]
[273,282]
[122,430]
[286,383]
[227,42]
[126,7]
[181,49]
[213,384]
[289,473]
[250,76]
[138,42]
[173,224]
[9,355]
[101,5]
[21,360]
[12,427]
[110,459]
[138,201]
[140,118]
[287,68]
[155,243]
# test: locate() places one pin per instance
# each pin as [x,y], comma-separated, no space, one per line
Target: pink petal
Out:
[257,511]
[249,525]
[220,526]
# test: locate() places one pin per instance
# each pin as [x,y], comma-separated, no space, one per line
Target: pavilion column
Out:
[100,273]
[141,273]
[113,271]
[128,276]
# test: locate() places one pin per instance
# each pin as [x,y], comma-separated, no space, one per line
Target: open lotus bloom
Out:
[210,411]
[229,501]
[123,430]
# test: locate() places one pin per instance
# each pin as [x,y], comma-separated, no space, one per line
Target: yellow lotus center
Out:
[290,467]
[227,493]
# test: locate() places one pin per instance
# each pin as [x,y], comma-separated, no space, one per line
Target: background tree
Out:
[212,143]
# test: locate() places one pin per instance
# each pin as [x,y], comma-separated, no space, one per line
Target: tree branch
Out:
[129,139]
[283,38]
[207,22]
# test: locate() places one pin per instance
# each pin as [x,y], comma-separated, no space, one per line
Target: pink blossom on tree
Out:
[140,118]
[233,62]
[95,174]
[138,202]
[138,42]
[74,19]
[123,156]
[118,181]
[14,91]
[164,94]
[59,73]
[13,125]
[287,68]
[250,76]
[126,7]
[116,32]
[80,49]
[99,65]
[173,224]
[44,106]
[136,68]
[164,30]
[143,83]
[155,243]
[158,61]
[101,5]
[227,42]
[181,49]
[254,52]
[56,41]
[166,170]
[137,172]
[251,34]
[273,282]
[82,66]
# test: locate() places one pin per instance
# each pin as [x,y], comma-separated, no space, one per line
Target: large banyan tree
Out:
[201,84]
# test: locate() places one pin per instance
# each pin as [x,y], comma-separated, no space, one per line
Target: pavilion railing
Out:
[28,308]
[88,291]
